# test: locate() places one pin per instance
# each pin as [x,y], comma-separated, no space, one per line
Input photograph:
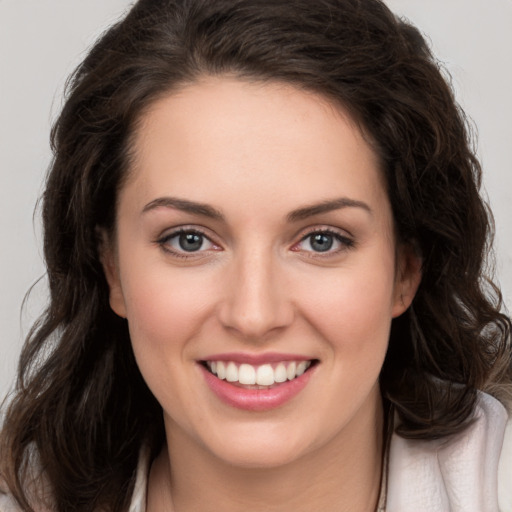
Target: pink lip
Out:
[256,399]
[256,359]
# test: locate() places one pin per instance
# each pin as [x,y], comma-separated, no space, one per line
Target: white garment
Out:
[459,473]
[467,472]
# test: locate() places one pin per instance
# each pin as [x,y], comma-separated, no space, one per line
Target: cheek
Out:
[165,311]
[353,310]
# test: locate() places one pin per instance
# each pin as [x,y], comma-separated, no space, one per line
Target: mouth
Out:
[257,382]
[258,377]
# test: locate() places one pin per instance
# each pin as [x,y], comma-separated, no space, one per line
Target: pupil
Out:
[190,242]
[321,242]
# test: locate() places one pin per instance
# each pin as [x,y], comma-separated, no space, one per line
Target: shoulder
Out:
[505,471]
[7,502]
[137,504]
[36,487]
[458,473]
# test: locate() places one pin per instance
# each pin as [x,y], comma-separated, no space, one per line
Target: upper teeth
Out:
[263,375]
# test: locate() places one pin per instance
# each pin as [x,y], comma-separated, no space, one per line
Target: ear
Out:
[109,261]
[408,278]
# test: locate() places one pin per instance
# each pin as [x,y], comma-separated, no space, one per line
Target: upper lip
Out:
[256,359]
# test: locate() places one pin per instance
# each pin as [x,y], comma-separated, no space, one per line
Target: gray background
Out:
[41,41]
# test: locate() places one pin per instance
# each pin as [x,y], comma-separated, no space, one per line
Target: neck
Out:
[342,475]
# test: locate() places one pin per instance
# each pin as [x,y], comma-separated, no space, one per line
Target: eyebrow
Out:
[185,206]
[325,207]
[299,214]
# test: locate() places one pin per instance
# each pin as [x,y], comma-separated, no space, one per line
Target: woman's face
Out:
[255,238]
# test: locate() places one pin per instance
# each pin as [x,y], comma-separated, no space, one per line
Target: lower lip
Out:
[256,399]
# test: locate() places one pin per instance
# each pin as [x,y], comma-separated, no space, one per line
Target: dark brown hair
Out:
[81,403]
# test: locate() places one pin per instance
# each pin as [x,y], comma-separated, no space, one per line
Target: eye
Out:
[186,241]
[324,241]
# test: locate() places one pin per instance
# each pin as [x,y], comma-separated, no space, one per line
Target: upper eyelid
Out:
[311,230]
[170,232]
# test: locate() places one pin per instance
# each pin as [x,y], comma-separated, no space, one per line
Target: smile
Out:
[258,385]
[259,377]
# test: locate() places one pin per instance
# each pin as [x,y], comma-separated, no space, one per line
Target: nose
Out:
[256,303]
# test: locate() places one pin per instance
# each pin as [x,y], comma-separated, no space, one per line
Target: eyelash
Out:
[346,242]
[163,242]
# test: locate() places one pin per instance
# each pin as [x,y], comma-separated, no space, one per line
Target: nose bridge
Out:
[256,301]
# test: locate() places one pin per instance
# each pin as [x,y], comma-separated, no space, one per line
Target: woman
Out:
[265,246]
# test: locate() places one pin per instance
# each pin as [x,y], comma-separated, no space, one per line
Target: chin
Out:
[257,457]
[264,449]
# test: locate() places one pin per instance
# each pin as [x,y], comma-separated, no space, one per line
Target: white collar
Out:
[458,473]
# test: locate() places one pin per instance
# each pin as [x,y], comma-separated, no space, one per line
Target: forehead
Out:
[263,141]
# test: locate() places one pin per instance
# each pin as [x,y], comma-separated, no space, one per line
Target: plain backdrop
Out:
[41,41]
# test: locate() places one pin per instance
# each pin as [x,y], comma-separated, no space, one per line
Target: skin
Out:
[255,153]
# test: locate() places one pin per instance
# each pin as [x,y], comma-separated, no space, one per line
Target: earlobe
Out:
[111,271]
[407,280]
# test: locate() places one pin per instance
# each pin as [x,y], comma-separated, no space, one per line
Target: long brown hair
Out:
[81,403]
